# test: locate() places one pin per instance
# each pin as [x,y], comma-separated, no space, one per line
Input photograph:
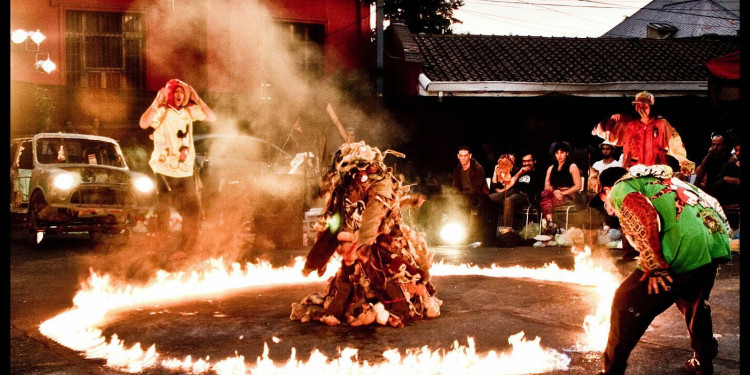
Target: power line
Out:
[613,6]
[495,17]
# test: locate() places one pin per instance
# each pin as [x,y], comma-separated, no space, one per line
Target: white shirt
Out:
[167,121]
[600,166]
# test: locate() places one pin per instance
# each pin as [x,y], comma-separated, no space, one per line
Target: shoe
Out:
[695,366]
[550,228]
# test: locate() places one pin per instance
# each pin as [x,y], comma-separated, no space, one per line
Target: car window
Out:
[78,151]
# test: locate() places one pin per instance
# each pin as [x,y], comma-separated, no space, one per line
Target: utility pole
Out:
[379,16]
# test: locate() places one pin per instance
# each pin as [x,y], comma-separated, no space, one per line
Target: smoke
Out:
[261,80]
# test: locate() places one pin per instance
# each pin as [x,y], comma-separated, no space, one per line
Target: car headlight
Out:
[64,181]
[453,233]
[144,184]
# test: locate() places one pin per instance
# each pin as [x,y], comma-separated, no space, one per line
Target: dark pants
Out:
[509,204]
[181,193]
[633,310]
[486,220]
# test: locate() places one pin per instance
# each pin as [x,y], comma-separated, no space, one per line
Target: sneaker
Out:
[550,228]
[695,366]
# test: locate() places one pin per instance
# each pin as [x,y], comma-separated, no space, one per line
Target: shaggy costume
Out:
[680,232]
[384,275]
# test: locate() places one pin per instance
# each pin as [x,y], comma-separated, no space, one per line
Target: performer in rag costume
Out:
[384,275]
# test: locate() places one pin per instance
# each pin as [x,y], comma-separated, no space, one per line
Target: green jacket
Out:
[693,229]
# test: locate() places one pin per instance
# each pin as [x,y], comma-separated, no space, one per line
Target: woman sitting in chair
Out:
[562,183]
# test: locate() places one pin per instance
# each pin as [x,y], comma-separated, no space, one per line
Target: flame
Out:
[99,296]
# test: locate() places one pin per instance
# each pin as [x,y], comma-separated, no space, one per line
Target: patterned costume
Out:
[641,143]
[384,274]
[680,232]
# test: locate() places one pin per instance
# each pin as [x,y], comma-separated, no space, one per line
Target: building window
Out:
[660,30]
[104,50]
[307,41]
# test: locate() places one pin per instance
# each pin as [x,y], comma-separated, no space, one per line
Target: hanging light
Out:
[46,66]
[37,36]
[18,36]
[21,36]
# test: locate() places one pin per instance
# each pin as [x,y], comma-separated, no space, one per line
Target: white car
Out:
[63,183]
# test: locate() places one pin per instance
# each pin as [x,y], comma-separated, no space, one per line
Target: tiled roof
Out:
[480,58]
[691,18]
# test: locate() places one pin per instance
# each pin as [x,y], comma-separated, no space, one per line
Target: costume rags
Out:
[173,161]
[679,231]
[641,143]
[384,275]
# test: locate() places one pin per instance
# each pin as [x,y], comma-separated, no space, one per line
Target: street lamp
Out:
[26,38]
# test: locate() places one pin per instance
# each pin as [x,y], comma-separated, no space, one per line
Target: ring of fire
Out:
[100,299]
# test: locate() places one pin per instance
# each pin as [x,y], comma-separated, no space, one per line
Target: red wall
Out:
[226,50]
[346,23]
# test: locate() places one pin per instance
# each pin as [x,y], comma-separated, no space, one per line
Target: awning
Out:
[427,87]
[725,67]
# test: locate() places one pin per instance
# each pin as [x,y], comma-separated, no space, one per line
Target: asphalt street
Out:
[44,281]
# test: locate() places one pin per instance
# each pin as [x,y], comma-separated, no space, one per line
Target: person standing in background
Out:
[645,140]
[171,115]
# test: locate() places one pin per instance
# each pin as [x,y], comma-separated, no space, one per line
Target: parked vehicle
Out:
[248,190]
[64,183]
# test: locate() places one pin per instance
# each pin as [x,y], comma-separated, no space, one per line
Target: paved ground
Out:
[43,283]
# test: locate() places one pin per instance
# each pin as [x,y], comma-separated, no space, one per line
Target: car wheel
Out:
[35,228]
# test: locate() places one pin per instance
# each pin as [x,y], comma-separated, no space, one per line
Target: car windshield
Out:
[78,151]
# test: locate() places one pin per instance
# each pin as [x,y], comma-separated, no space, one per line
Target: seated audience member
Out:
[469,181]
[718,154]
[607,161]
[562,183]
[501,177]
[608,157]
[468,175]
[523,189]
[726,188]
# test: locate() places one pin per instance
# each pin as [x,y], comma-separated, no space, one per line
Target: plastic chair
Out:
[732,210]
[572,208]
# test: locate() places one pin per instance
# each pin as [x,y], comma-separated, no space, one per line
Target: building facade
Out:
[112,55]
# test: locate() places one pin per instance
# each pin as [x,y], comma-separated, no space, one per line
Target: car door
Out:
[22,164]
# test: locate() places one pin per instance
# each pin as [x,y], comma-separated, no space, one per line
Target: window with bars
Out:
[307,41]
[104,50]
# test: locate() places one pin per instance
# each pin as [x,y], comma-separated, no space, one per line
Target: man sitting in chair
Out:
[523,190]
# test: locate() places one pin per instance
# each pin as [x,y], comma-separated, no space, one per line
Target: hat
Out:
[644,97]
[608,143]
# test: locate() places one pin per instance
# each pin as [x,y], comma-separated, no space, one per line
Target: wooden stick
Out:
[336,121]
